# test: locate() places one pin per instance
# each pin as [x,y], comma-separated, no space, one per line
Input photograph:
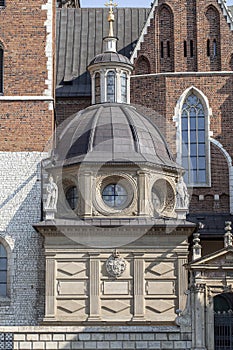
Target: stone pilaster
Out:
[199,322]
[94,294]
[86,186]
[50,288]
[182,282]
[139,298]
[143,193]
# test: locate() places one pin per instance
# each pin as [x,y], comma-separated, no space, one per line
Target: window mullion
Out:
[189,153]
[197,143]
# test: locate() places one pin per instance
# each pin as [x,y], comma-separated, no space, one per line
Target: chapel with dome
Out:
[119,223]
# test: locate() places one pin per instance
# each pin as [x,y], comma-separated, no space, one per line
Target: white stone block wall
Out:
[115,337]
[20,203]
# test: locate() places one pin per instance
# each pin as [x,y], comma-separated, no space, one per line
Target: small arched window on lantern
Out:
[123,87]
[111,86]
[97,88]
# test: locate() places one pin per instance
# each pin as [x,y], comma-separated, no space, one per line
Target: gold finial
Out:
[111,17]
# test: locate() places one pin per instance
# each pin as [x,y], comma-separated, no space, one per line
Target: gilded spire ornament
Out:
[111,17]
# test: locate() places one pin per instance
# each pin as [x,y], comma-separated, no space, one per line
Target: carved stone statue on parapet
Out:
[182,196]
[52,196]
[228,239]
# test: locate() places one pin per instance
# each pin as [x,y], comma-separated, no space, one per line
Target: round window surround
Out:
[162,197]
[115,194]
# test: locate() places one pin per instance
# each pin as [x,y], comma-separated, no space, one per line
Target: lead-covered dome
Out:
[111,133]
[110,57]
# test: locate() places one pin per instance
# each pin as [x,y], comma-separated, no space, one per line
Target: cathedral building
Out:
[116,176]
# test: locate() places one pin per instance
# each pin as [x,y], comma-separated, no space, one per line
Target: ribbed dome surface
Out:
[110,57]
[111,132]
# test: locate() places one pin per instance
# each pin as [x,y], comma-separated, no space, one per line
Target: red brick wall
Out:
[23,33]
[219,186]
[161,93]
[25,125]
[142,65]
[66,107]
[193,21]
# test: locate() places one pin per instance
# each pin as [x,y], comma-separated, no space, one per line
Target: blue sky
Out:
[124,3]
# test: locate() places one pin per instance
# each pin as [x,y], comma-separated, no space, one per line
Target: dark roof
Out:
[213,224]
[79,39]
[111,133]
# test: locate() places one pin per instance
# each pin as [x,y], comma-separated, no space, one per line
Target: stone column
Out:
[118,85]
[50,296]
[199,322]
[139,294]
[143,193]
[94,291]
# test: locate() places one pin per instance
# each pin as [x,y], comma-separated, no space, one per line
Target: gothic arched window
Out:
[195,146]
[142,65]
[3,271]
[166,39]
[111,86]
[212,25]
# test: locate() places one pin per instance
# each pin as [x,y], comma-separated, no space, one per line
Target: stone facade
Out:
[73,338]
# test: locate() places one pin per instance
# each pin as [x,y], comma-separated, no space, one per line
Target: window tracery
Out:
[194,141]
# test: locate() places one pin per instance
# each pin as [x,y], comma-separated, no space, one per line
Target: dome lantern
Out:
[110,71]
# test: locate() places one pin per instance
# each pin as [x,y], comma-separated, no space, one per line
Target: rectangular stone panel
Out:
[71,270]
[116,288]
[72,288]
[159,270]
[160,288]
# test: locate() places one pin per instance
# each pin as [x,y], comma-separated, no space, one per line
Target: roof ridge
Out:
[226,13]
[143,32]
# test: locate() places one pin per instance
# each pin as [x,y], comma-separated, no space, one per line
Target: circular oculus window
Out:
[115,196]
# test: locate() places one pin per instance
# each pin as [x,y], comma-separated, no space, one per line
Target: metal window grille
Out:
[2,3]
[223,330]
